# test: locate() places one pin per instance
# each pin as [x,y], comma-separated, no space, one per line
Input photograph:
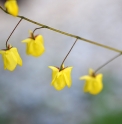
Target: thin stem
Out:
[12,32]
[68,53]
[3,10]
[71,35]
[36,29]
[108,62]
[67,34]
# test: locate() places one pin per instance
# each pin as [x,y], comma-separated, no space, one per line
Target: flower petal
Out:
[39,38]
[93,84]
[2,51]
[99,77]
[10,61]
[97,86]
[86,77]
[27,40]
[67,76]
[59,82]
[12,7]
[34,48]
[19,60]
[87,86]
[55,71]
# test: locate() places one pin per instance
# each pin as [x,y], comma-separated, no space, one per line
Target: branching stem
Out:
[67,34]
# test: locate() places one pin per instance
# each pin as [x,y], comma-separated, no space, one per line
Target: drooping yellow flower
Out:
[12,7]
[11,58]
[35,45]
[93,84]
[61,78]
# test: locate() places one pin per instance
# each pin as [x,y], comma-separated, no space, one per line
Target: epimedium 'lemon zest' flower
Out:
[12,7]
[34,45]
[11,58]
[93,83]
[61,78]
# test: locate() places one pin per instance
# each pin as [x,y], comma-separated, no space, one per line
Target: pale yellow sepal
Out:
[34,47]
[93,84]
[62,78]
[11,58]
[12,7]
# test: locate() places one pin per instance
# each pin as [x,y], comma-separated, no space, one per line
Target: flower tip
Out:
[80,78]
[86,77]
[63,65]
[30,31]
[49,66]
[91,71]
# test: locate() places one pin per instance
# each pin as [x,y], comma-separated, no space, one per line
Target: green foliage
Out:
[4,120]
[115,118]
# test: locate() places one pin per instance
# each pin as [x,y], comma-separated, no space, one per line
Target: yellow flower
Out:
[35,45]
[12,7]
[93,82]
[11,58]
[61,78]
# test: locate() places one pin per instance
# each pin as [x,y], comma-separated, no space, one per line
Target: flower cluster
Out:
[35,47]
[61,77]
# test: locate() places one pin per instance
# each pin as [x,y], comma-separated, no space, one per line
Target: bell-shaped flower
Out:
[11,58]
[61,77]
[93,82]
[34,45]
[12,7]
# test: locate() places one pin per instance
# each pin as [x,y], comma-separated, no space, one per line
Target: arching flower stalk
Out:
[61,76]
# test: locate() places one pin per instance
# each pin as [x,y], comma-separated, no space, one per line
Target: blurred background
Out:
[26,96]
